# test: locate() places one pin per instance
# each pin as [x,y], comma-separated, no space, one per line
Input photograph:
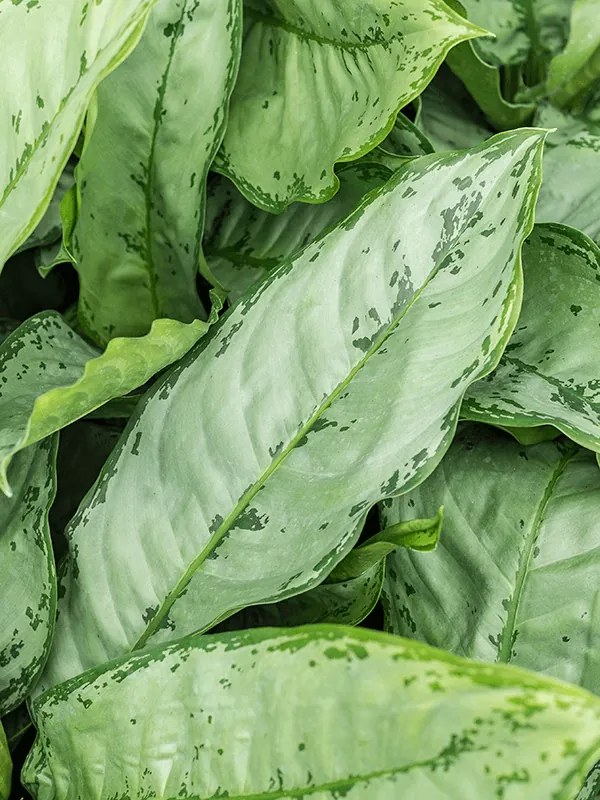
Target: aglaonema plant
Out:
[299,400]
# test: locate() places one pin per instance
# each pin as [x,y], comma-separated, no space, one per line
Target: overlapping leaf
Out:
[50,376]
[27,575]
[311,712]
[243,242]
[43,100]
[323,83]
[157,123]
[577,68]
[248,474]
[549,371]
[516,575]
[351,591]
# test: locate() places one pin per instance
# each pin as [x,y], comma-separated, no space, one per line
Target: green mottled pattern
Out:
[248,716]
[570,192]
[157,123]
[516,576]
[549,372]
[351,591]
[520,27]
[27,574]
[43,102]
[50,376]
[323,82]
[243,243]
[250,469]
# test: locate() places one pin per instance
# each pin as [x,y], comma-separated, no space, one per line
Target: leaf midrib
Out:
[277,22]
[249,495]
[508,630]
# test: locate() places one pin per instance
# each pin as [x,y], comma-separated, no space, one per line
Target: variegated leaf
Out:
[250,469]
[321,83]
[43,100]
[27,574]
[157,124]
[49,228]
[576,70]
[243,243]
[50,376]
[516,575]
[351,591]
[321,711]
[549,372]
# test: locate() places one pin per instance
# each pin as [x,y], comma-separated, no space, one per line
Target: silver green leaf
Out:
[243,243]
[311,712]
[44,101]
[548,374]
[156,126]
[27,573]
[352,589]
[308,413]
[570,192]
[516,575]
[5,766]
[50,376]
[326,81]
[522,30]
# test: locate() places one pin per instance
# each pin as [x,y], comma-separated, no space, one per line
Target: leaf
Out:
[291,713]
[50,376]
[158,122]
[190,519]
[75,47]
[577,68]
[538,27]
[570,192]
[48,230]
[548,374]
[243,243]
[353,588]
[5,767]
[515,577]
[326,82]
[27,574]
[405,139]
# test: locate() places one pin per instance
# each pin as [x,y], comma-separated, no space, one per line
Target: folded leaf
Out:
[243,243]
[50,376]
[249,472]
[326,81]
[548,374]
[311,712]
[5,767]
[27,574]
[158,122]
[43,103]
[517,573]
[521,29]
[577,69]
[570,192]
[353,588]
[48,230]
